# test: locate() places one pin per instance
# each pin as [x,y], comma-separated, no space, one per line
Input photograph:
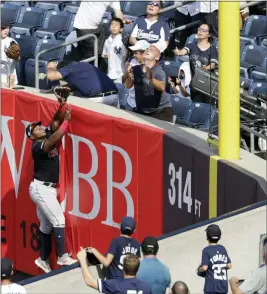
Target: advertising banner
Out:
[110,168]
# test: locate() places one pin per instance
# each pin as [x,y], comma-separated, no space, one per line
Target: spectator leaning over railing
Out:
[152,28]
[256,282]
[182,87]
[149,84]
[202,53]
[119,248]
[7,287]
[151,270]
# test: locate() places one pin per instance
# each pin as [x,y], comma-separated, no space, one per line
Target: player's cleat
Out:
[44,265]
[66,260]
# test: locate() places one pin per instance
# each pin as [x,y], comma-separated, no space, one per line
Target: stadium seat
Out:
[27,46]
[200,115]
[48,6]
[55,22]
[19,3]
[171,68]
[71,10]
[254,55]
[30,18]
[255,25]
[57,54]
[258,74]
[258,88]
[134,8]
[9,13]
[245,83]
[243,44]
[180,107]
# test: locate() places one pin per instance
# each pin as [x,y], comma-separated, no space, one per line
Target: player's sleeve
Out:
[253,283]
[107,286]
[112,247]
[135,31]
[204,258]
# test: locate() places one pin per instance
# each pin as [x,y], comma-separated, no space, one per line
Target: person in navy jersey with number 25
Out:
[119,248]
[215,263]
[128,284]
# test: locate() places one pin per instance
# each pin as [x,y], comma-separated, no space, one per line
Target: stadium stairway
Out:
[242,234]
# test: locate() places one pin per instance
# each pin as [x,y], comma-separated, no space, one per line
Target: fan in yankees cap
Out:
[213,233]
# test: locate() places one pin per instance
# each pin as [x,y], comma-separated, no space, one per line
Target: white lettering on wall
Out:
[8,147]
[120,186]
[76,140]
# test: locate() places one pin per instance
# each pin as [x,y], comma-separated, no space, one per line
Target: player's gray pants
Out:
[49,210]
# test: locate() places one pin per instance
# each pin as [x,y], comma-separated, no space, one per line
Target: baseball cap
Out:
[30,128]
[213,232]
[6,268]
[128,223]
[150,244]
[141,45]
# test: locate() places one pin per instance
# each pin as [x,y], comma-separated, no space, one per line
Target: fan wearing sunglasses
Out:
[151,27]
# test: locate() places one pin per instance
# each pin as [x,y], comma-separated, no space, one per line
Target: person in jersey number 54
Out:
[128,284]
[43,192]
[215,263]
[119,248]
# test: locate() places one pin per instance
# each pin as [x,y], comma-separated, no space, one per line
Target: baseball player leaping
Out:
[45,145]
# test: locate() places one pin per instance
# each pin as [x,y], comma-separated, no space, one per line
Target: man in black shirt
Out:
[43,187]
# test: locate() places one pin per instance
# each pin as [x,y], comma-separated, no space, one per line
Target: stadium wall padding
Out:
[164,176]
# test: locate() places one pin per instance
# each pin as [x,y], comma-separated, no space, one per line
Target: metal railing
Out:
[252,134]
[7,67]
[94,58]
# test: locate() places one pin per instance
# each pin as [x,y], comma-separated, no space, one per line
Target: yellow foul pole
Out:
[229,80]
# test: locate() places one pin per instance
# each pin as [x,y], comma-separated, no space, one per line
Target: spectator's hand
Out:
[128,67]
[169,80]
[91,250]
[148,71]
[233,280]
[177,51]
[81,255]
[178,81]
[127,21]
[131,74]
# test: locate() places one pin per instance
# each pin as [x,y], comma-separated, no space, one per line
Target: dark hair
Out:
[183,289]
[210,38]
[131,264]
[127,232]
[117,20]
[63,63]
[161,4]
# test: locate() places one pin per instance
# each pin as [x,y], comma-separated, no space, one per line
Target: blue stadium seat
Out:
[71,10]
[200,115]
[258,88]
[258,74]
[30,18]
[57,54]
[19,3]
[48,6]
[255,25]
[171,68]
[105,21]
[254,55]
[9,13]
[243,44]
[134,8]
[27,46]
[180,107]
[55,22]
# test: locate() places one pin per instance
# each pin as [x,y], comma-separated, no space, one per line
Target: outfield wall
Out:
[114,163]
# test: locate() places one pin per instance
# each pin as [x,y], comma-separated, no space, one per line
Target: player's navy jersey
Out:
[216,258]
[46,164]
[123,286]
[120,247]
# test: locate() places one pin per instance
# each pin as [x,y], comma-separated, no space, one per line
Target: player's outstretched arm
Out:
[50,143]
[88,278]
[105,260]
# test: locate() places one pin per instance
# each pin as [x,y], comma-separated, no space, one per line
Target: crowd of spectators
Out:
[129,271]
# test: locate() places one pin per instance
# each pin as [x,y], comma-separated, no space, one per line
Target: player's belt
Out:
[48,184]
[105,94]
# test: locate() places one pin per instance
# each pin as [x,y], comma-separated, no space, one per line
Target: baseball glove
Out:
[62,93]
[201,274]
[13,51]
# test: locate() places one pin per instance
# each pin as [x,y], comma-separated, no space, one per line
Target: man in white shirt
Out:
[256,281]
[5,42]
[88,21]
[7,286]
